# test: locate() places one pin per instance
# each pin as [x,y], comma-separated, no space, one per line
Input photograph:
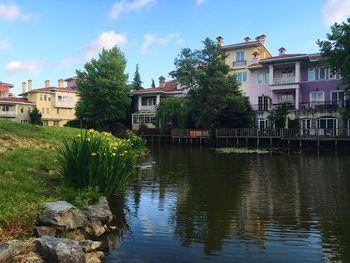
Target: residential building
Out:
[5,89]
[148,99]
[314,93]
[56,104]
[15,109]
[239,56]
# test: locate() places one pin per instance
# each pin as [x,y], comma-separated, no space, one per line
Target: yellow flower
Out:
[113,154]
[93,154]
[78,135]
[88,139]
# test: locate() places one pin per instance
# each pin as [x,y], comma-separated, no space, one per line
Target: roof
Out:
[170,86]
[243,44]
[284,58]
[71,78]
[15,100]
[6,84]
[49,89]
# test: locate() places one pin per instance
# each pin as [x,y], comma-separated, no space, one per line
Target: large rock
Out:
[94,228]
[62,215]
[100,210]
[94,257]
[89,245]
[58,250]
[10,249]
[40,231]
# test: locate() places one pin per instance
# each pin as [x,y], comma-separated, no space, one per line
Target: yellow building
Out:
[56,104]
[241,55]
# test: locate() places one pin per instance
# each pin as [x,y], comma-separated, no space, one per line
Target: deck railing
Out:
[283,133]
[192,133]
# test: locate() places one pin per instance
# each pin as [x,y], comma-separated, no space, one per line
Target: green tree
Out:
[172,112]
[336,49]
[137,83]
[103,89]
[214,94]
[35,117]
[153,85]
[279,115]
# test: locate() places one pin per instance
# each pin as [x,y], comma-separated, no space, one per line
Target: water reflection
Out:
[194,204]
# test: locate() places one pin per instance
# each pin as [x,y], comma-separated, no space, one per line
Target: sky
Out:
[49,39]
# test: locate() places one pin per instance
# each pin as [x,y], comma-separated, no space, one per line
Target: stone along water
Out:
[195,205]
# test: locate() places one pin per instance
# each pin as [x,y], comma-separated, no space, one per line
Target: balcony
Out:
[239,63]
[64,104]
[148,108]
[8,114]
[284,80]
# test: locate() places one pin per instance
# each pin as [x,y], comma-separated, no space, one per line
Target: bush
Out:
[94,159]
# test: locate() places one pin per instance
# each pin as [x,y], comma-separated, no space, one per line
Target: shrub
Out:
[94,159]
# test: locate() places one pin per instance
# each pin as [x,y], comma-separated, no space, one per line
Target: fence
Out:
[189,133]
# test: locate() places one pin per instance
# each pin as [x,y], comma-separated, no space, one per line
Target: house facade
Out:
[15,109]
[55,103]
[147,100]
[5,89]
[313,92]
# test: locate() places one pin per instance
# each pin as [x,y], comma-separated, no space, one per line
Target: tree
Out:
[172,112]
[35,117]
[214,95]
[137,83]
[153,85]
[279,116]
[103,89]
[336,49]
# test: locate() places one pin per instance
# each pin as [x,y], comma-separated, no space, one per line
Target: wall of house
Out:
[256,89]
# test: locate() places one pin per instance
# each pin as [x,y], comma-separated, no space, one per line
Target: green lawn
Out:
[28,173]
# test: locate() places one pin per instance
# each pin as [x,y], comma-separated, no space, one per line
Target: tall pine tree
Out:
[137,83]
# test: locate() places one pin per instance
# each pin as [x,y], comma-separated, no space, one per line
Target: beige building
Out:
[15,109]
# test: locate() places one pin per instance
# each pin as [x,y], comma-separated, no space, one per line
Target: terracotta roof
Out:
[238,45]
[168,87]
[4,89]
[48,89]
[6,84]
[15,99]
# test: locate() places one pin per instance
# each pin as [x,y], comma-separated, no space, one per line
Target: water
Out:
[194,205]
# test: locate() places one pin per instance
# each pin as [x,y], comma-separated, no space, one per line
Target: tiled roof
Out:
[14,99]
[283,56]
[48,89]
[239,45]
[5,84]
[168,87]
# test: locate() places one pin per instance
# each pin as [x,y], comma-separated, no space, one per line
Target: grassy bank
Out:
[29,175]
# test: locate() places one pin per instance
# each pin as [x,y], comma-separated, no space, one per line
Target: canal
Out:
[195,205]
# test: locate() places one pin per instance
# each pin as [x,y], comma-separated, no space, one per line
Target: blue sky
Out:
[42,39]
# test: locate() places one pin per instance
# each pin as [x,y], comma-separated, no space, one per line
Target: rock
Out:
[10,249]
[100,210]
[94,257]
[94,228]
[58,250]
[33,260]
[62,215]
[89,245]
[40,231]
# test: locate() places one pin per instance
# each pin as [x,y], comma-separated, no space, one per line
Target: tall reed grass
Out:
[94,159]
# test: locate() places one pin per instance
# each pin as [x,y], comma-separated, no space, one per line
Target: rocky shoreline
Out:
[64,234]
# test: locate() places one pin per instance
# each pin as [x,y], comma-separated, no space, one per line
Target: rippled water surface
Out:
[194,205]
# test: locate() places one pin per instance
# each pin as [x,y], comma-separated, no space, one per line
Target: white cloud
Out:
[124,6]
[4,44]
[335,11]
[67,62]
[105,40]
[16,66]
[153,39]
[199,2]
[12,12]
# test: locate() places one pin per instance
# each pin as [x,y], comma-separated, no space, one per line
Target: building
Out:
[314,94]
[147,100]
[15,109]
[56,104]
[239,56]
[5,90]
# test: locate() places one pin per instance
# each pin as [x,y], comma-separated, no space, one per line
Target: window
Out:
[22,110]
[262,123]
[56,123]
[331,74]
[260,77]
[338,98]
[321,73]
[59,98]
[241,77]
[239,56]
[49,98]
[45,98]
[287,98]
[144,119]
[306,124]
[41,97]
[5,108]
[45,123]
[263,103]
[24,121]
[316,98]
[311,73]
[327,123]
[148,101]
[47,111]
[43,110]
[57,110]
[267,77]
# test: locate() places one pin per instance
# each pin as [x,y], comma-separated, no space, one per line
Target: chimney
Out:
[47,83]
[220,40]
[282,51]
[256,56]
[161,82]
[24,87]
[30,87]
[247,39]
[261,38]
[61,83]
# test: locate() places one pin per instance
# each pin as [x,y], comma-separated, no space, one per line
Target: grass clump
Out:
[99,160]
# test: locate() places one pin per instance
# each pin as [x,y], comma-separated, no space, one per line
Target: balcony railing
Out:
[239,63]
[8,114]
[284,80]
[326,105]
[64,104]
[148,108]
